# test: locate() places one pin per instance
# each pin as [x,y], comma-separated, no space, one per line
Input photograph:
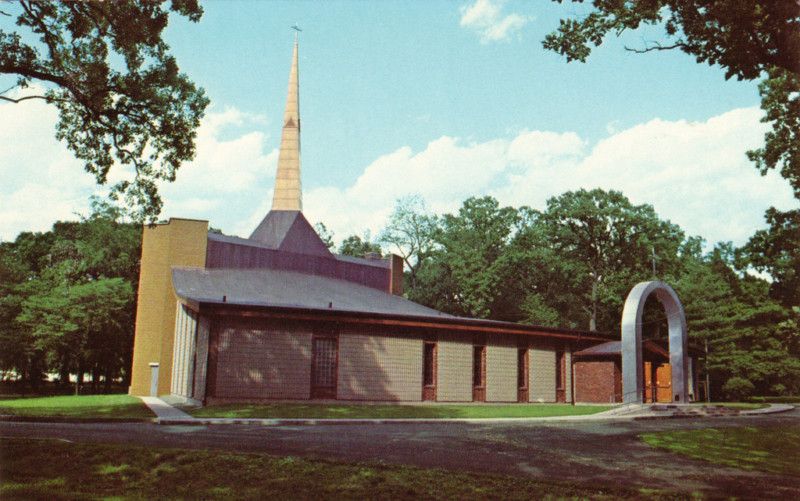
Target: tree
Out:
[746,334]
[20,263]
[465,273]
[605,244]
[66,298]
[119,92]
[325,235]
[76,324]
[750,39]
[357,247]
[411,231]
[776,250]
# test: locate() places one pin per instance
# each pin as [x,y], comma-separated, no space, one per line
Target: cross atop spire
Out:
[288,193]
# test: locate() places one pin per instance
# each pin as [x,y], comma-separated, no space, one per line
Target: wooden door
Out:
[324,367]
[664,383]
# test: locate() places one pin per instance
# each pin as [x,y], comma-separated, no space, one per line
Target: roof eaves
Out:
[459,323]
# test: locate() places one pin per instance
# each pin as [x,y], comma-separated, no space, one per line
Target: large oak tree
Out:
[749,39]
[120,94]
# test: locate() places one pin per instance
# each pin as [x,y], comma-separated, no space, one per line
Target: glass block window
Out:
[324,362]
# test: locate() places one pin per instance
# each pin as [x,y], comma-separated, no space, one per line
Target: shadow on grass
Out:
[44,469]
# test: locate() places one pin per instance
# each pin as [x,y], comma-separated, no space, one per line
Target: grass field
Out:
[77,407]
[735,405]
[52,470]
[774,450]
[355,411]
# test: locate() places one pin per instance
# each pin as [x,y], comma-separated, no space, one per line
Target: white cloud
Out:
[485,17]
[41,182]
[38,182]
[228,176]
[694,174]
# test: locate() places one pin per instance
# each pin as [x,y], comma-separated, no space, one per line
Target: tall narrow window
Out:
[429,371]
[430,348]
[323,368]
[479,373]
[561,365]
[522,375]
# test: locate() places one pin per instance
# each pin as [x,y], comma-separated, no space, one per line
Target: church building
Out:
[277,315]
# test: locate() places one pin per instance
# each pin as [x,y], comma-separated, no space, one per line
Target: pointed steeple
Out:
[288,193]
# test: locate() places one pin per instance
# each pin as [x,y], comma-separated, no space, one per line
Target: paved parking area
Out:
[593,452]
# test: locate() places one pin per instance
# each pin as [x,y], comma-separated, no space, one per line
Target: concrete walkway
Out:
[164,411]
[169,415]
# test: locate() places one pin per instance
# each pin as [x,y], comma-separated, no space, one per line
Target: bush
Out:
[778,389]
[774,400]
[738,388]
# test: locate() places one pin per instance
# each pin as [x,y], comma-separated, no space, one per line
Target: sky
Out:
[441,99]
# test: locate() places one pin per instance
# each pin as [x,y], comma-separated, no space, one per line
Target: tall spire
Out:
[288,193]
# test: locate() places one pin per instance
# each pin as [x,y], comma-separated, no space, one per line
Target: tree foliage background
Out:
[67,299]
[572,264]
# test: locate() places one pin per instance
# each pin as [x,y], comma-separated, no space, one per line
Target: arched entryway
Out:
[632,367]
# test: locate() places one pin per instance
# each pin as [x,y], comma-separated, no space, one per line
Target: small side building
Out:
[598,373]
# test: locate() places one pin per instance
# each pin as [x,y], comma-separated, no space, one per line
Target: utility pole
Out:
[708,380]
[654,260]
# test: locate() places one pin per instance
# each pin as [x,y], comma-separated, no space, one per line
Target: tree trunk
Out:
[79,379]
[593,319]
[95,378]
[63,375]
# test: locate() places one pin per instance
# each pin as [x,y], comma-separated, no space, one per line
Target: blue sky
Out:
[443,99]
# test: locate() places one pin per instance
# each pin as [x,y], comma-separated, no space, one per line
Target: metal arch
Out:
[632,384]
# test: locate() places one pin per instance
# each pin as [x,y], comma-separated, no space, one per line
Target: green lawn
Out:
[774,450]
[734,405]
[354,411]
[52,470]
[78,407]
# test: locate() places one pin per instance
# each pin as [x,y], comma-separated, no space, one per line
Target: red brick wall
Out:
[595,381]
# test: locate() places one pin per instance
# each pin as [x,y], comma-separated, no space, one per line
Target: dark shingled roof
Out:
[614,348]
[289,231]
[376,263]
[290,289]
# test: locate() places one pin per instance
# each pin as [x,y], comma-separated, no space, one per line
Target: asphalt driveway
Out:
[597,453]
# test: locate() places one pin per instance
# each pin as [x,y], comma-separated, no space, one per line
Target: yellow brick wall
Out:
[263,360]
[181,242]
[542,374]
[501,369]
[454,371]
[379,367]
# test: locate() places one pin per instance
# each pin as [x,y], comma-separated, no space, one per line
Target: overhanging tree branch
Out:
[25,98]
[109,116]
[656,46]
